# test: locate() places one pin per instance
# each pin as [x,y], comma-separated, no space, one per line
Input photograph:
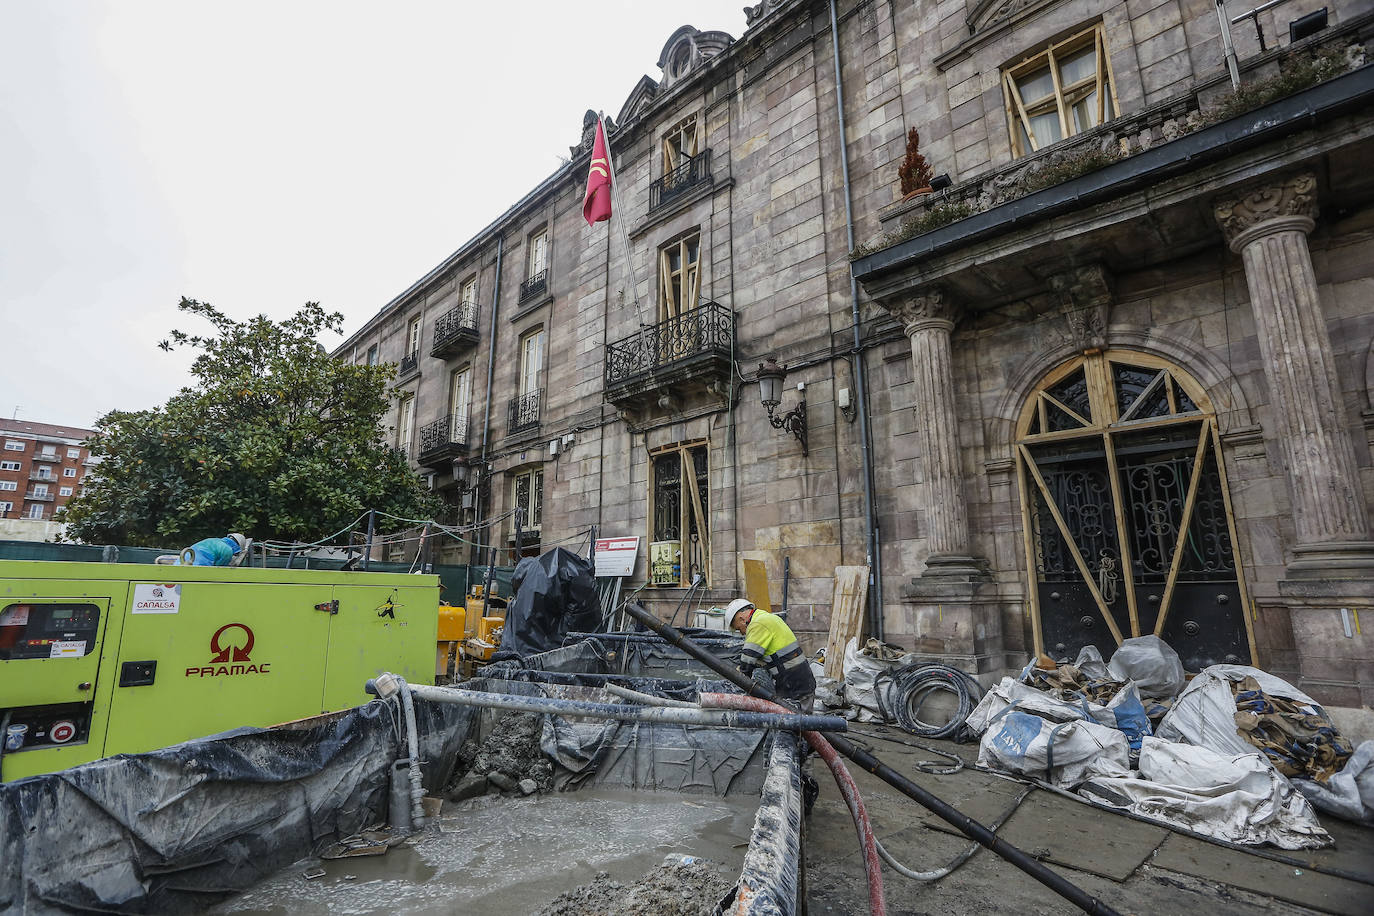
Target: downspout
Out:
[875,582]
[486,414]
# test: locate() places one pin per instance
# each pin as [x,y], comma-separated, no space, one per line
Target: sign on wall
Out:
[616,556]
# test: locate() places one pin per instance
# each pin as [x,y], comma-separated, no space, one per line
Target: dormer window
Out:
[680,61]
[1060,91]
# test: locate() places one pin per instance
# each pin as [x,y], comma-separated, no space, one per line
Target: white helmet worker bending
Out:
[769,643]
[738,614]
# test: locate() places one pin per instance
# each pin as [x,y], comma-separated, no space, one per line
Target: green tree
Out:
[276,439]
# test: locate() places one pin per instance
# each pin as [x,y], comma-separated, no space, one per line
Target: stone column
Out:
[929,319]
[1268,227]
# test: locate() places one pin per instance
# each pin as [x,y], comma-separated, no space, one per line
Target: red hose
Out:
[877,904]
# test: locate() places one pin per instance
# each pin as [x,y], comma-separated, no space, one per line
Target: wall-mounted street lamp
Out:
[770,393]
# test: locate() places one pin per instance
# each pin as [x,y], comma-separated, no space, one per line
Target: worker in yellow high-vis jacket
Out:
[770,643]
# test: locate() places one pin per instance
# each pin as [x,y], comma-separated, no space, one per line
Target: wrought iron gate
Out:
[1127,520]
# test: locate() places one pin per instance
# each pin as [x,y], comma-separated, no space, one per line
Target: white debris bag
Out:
[1027,699]
[1349,793]
[1090,663]
[1204,715]
[1240,798]
[1062,753]
[1149,661]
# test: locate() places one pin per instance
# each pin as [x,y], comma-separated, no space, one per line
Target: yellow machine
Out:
[103,658]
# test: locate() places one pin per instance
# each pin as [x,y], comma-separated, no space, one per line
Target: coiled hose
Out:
[907,689]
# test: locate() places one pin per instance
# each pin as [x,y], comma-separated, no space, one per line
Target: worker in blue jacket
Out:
[769,643]
[225,551]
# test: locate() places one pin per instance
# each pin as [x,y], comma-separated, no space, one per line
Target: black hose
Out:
[911,685]
[946,812]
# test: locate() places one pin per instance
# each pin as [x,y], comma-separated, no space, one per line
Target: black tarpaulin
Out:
[554,593]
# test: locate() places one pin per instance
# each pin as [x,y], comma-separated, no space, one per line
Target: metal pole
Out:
[1228,44]
[786,575]
[371,526]
[585,709]
[946,812]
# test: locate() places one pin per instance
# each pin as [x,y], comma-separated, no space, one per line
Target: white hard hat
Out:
[734,607]
[240,540]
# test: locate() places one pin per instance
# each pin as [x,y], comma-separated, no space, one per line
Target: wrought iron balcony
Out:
[523,412]
[443,440]
[694,171]
[39,497]
[455,331]
[536,285]
[691,350]
[409,363]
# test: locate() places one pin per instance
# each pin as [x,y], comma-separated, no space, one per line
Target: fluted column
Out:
[1268,227]
[929,320]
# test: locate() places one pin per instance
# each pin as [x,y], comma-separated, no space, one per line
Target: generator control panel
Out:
[43,630]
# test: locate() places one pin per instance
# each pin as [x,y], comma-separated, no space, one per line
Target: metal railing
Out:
[42,477]
[47,456]
[707,328]
[693,171]
[443,432]
[40,497]
[535,285]
[409,363]
[459,322]
[523,412]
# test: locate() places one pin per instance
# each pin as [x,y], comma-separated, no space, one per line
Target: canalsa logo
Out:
[231,654]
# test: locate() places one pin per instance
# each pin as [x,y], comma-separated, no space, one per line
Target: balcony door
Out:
[1127,520]
[460,394]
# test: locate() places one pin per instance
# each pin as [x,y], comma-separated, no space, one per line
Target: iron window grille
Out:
[523,412]
[694,171]
[460,321]
[409,363]
[450,430]
[535,286]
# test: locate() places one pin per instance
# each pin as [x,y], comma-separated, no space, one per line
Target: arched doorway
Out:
[1127,519]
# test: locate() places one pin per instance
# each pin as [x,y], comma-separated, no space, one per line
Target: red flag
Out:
[596,205]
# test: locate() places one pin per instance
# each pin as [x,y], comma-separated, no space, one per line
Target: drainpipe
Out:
[484,479]
[875,581]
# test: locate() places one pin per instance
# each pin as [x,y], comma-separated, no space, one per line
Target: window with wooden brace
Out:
[680,144]
[1060,91]
[679,276]
[527,499]
[679,520]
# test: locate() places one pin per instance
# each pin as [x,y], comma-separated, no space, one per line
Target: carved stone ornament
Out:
[915,309]
[755,12]
[1086,296]
[988,13]
[1294,196]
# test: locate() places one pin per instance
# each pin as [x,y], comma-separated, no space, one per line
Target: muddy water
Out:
[496,856]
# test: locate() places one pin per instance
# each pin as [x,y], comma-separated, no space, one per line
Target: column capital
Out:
[1286,203]
[928,308]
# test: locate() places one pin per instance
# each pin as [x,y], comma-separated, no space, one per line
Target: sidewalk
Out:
[1133,867]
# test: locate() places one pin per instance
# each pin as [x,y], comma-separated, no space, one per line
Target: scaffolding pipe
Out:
[648,699]
[946,812]
[585,709]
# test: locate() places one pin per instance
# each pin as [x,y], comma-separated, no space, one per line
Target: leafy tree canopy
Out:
[276,439]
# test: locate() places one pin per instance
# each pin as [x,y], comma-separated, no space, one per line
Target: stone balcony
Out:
[686,353]
[443,440]
[455,331]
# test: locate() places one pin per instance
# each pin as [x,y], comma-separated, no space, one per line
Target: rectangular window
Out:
[6,508]
[528,498]
[538,258]
[680,144]
[406,425]
[459,394]
[679,526]
[8,485]
[467,294]
[9,465]
[372,355]
[40,489]
[44,471]
[531,362]
[69,472]
[679,276]
[1060,91]
[73,453]
[64,491]
[12,446]
[35,511]
[413,337]
[50,451]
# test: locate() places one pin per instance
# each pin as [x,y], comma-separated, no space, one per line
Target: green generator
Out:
[99,659]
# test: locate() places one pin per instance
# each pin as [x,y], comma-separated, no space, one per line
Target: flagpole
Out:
[617,215]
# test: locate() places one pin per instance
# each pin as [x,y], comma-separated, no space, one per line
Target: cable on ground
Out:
[908,688]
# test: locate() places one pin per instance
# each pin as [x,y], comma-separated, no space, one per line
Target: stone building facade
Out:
[1111,376]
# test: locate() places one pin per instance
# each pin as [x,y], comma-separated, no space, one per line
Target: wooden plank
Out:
[756,584]
[1181,541]
[846,615]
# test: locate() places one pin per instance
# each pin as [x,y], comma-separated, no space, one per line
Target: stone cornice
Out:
[1288,203]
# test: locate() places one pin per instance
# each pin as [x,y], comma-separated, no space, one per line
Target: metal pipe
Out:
[585,709]
[1228,44]
[874,546]
[483,478]
[849,790]
[371,526]
[648,699]
[946,812]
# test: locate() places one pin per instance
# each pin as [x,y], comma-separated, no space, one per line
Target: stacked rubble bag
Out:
[1236,754]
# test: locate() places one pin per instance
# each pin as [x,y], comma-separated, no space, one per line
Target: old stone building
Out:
[1109,377]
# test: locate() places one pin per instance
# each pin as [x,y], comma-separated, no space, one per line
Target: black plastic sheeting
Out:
[640,657]
[178,829]
[554,593]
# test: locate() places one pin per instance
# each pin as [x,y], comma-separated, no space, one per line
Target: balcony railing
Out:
[409,363]
[39,497]
[694,171]
[443,440]
[43,477]
[694,344]
[47,456]
[523,412]
[455,330]
[536,285]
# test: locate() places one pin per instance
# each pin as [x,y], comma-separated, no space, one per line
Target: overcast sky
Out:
[259,154]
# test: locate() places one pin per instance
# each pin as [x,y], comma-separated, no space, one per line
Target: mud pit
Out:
[495,856]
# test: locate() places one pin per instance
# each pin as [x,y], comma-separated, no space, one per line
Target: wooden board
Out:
[756,584]
[846,615]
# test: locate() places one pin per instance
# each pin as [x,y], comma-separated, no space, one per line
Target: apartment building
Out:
[42,466]
[1108,375]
